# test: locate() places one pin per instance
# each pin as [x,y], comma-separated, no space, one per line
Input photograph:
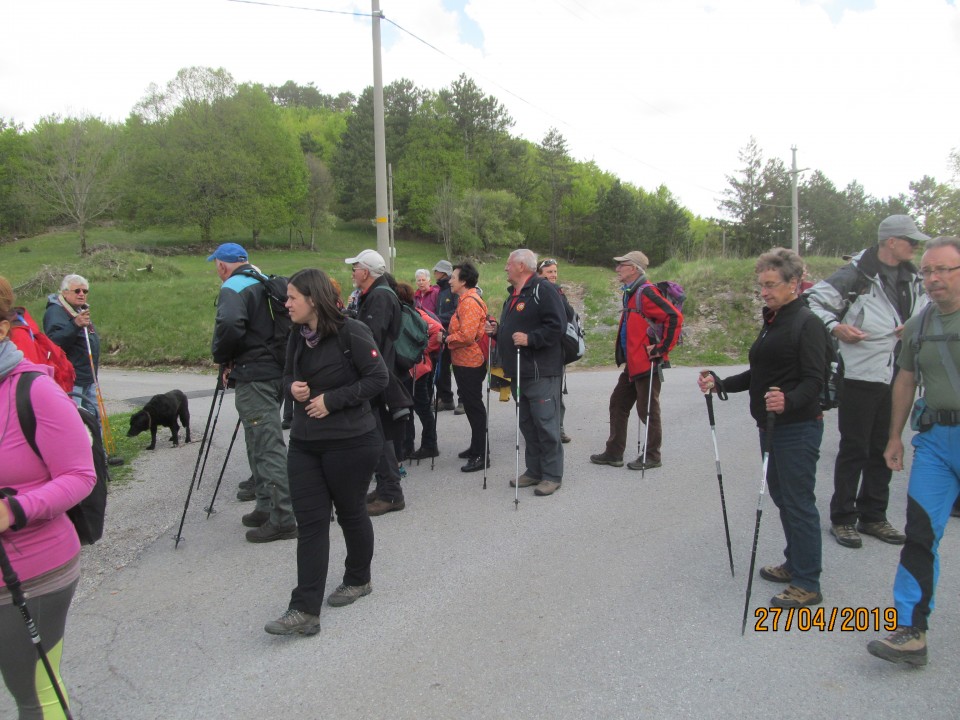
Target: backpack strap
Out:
[28,425]
[945,356]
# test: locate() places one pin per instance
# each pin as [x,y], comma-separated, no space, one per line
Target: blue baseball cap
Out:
[229,252]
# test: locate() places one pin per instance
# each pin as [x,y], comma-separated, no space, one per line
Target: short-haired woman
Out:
[333,370]
[426,294]
[785,378]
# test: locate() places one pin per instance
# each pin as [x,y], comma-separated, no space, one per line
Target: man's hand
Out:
[894,454]
[848,334]
[225,375]
[520,339]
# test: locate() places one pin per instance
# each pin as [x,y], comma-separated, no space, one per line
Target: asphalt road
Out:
[611,599]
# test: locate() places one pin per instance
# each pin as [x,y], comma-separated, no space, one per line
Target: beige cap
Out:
[635,257]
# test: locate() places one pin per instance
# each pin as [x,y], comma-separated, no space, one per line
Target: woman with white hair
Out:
[67,322]
[425,298]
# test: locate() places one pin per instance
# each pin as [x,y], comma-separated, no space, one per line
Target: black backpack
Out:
[276,289]
[87,515]
[832,365]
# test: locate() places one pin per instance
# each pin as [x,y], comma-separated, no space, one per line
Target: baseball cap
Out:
[371,260]
[901,226]
[443,266]
[636,258]
[229,252]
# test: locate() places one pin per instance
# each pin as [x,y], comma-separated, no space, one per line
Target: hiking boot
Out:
[906,645]
[639,464]
[882,530]
[459,410]
[794,596]
[255,519]
[268,532]
[371,496]
[475,463]
[776,573]
[346,594]
[246,484]
[546,487]
[380,506]
[564,438]
[525,481]
[294,622]
[445,405]
[246,494]
[424,453]
[605,459]
[846,535]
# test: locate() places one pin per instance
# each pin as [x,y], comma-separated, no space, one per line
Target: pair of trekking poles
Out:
[767,446]
[203,453]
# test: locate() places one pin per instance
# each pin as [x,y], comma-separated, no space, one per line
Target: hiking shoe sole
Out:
[916,658]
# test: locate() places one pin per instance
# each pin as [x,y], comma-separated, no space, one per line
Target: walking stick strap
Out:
[718,386]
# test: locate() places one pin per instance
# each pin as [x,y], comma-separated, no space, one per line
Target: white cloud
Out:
[657,91]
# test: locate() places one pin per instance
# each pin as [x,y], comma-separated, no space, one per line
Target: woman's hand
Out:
[776,402]
[705,382]
[316,408]
[300,391]
[5,518]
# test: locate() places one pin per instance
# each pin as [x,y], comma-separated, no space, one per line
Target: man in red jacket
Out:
[649,329]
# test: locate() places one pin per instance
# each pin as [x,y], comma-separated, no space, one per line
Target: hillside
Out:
[152,293]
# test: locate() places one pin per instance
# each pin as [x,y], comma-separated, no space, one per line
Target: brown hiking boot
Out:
[906,645]
[381,506]
[846,535]
[776,573]
[525,481]
[794,596]
[268,532]
[346,594]
[294,622]
[605,459]
[546,487]
[882,530]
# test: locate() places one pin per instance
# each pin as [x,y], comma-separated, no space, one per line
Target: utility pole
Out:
[794,202]
[379,143]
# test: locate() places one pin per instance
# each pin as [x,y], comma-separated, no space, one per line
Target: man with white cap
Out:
[642,356]
[864,305]
[248,351]
[379,309]
[446,307]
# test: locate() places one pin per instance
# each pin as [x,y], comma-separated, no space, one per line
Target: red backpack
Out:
[44,350]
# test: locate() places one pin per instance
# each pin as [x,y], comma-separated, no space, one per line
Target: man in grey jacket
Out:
[864,305]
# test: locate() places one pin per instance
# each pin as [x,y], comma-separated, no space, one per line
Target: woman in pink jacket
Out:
[38,537]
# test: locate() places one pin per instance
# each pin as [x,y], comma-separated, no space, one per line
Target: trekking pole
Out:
[716,453]
[486,429]
[516,497]
[223,468]
[12,581]
[213,429]
[208,440]
[646,423]
[105,433]
[767,445]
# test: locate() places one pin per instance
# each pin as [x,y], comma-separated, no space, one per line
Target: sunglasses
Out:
[80,291]
[546,263]
[913,243]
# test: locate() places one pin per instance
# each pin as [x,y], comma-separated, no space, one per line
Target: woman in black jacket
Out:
[333,369]
[785,378]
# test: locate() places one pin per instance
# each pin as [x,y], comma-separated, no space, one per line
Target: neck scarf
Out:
[309,335]
[10,357]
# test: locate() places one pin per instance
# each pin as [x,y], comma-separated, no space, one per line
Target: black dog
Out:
[162,410]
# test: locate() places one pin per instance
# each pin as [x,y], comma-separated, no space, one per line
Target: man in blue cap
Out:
[246,347]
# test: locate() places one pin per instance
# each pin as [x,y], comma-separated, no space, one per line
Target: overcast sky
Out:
[656,91]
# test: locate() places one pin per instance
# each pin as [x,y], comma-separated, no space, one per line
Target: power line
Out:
[299,7]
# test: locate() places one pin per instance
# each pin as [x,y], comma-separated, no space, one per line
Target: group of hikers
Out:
[354,389]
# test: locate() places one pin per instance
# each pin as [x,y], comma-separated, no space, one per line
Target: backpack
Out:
[674,294]
[572,340]
[411,343]
[64,374]
[87,515]
[833,364]
[276,289]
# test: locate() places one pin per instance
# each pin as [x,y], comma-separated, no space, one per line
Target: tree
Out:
[73,166]
[555,166]
[445,215]
[485,220]
[320,192]
[14,211]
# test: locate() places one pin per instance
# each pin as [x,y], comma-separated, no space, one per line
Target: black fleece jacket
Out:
[777,360]
[537,311]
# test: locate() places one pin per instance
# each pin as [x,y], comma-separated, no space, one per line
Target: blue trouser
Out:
[791,476]
[540,425]
[934,486]
[87,399]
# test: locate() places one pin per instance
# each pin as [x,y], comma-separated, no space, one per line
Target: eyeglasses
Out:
[913,243]
[770,285]
[81,291]
[546,263]
[938,271]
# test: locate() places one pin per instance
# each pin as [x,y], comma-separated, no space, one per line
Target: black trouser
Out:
[470,389]
[423,406]
[444,385]
[863,419]
[387,474]
[318,478]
